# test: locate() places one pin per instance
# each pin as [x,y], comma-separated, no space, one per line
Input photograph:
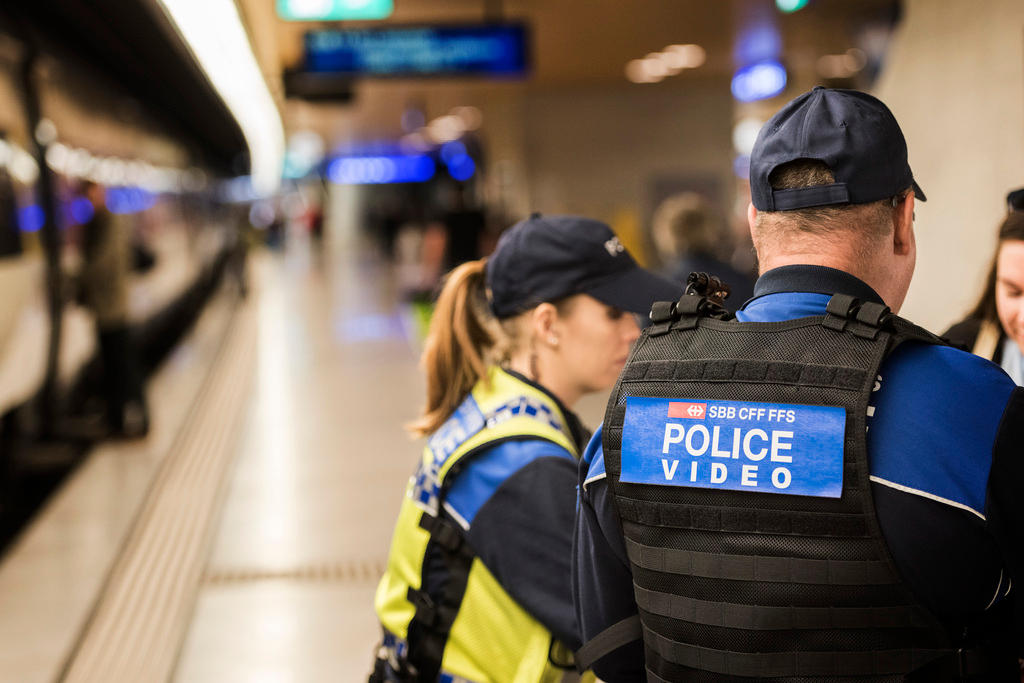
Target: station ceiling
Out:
[576,43]
[131,49]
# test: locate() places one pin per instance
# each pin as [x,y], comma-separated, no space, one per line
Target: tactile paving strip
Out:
[351,571]
[138,623]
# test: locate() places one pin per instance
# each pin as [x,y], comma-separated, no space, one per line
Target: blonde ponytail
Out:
[463,340]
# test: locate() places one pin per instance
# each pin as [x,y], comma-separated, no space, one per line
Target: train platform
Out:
[243,538]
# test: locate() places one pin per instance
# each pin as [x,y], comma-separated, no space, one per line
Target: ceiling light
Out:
[744,134]
[46,132]
[654,68]
[759,81]
[22,166]
[637,72]
[842,65]
[669,62]
[217,38]
[471,117]
[685,56]
[856,59]
[837,66]
[446,128]
[57,157]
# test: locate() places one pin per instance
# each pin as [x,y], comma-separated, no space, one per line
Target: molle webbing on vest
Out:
[870,664]
[434,617]
[759,568]
[767,585]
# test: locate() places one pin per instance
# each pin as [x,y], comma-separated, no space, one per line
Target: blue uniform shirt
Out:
[941,422]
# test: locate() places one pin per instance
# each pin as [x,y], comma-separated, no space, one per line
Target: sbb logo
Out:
[690,411]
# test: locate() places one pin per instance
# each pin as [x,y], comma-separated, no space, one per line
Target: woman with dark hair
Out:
[995,328]
[478,580]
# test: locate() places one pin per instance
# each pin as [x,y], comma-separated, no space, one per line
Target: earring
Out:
[553,340]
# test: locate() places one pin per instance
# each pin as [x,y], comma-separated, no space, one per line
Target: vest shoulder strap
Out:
[612,638]
[500,408]
[868,318]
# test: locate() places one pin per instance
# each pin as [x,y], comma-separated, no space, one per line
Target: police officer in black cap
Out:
[816,490]
[477,583]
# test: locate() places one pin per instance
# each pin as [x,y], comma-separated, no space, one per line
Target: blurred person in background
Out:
[464,225]
[10,234]
[107,262]
[994,329]
[478,579]
[244,236]
[691,237]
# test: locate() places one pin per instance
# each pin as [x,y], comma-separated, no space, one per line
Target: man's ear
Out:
[751,216]
[903,226]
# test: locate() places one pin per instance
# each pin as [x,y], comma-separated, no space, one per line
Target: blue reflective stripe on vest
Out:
[487,471]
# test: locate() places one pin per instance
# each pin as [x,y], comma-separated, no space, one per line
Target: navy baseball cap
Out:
[544,258]
[1015,200]
[851,132]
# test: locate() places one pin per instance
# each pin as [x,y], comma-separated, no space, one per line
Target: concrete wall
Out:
[603,152]
[955,81]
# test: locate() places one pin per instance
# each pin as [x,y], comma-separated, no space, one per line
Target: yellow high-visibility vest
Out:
[489,636]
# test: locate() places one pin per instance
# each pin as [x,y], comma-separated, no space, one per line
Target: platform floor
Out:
[287,593]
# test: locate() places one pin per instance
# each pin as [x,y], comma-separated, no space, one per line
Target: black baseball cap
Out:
[544,258]
[1015,200]
[851,132]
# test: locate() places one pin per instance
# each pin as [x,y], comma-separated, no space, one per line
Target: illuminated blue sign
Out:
[759,81]
[81,210]
[460,165]
[461,168]
[31,218]
[128,199]
[490,50]
[378,170]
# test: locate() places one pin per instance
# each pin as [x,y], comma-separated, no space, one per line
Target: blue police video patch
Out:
[734,445]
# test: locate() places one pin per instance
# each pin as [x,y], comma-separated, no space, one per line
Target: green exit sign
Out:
[334,10]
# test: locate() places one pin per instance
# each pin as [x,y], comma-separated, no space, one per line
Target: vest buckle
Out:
[663,314]
[441,532]
[426,608]
[863,319]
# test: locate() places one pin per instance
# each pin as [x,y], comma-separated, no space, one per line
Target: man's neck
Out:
[810,259]
[872,279]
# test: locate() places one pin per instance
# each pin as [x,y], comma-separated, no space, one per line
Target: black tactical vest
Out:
[744,584]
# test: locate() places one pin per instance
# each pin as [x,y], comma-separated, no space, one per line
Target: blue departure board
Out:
[415,51]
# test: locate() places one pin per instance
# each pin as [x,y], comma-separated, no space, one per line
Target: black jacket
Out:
[964,334]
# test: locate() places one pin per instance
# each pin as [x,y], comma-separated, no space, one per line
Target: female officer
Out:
[995,328]
[477,585]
